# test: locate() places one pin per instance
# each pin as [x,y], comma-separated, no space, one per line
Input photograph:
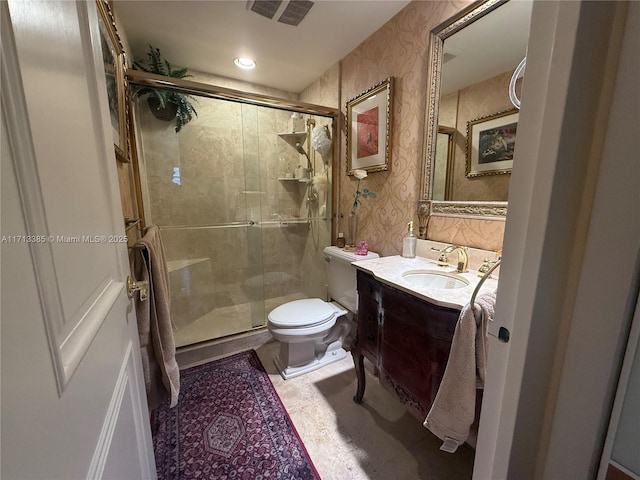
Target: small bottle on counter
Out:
[340,241]
[409,242]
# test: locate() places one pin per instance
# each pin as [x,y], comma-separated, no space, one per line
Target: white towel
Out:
[453,409]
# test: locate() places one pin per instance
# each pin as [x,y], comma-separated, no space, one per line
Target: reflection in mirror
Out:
[473,57]
[443,163]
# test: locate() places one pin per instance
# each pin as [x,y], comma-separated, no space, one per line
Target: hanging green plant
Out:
[165,104]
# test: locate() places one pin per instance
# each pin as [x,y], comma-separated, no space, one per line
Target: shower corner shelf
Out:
[299,180]
[293,138]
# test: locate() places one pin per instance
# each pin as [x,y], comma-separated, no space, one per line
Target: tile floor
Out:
[376,440]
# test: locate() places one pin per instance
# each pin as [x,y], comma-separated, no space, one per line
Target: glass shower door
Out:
[202,192]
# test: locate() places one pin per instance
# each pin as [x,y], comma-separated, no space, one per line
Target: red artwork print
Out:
[367,133]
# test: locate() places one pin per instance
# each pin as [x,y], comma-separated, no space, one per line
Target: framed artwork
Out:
[491,141]
[369,129]
[114,70]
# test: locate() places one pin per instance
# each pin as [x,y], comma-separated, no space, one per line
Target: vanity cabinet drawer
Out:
[368,287]
[368,315]
[424,320]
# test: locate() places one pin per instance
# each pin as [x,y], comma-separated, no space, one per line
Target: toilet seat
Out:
[306,313]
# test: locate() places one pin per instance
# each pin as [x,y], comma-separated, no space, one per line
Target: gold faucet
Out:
[463,259]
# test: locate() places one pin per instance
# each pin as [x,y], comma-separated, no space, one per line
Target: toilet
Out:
[311,331]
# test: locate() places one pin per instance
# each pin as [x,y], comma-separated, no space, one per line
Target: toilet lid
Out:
[302,313]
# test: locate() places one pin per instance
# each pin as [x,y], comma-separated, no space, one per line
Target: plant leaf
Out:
[179,73]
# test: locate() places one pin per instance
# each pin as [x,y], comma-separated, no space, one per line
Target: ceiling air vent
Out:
[295,11]
[289,12]
[266,8]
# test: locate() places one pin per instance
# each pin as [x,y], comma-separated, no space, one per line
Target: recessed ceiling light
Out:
[246,63]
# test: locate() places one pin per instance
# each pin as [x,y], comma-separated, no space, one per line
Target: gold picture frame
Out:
[491,141]
[369,120]
[113,57]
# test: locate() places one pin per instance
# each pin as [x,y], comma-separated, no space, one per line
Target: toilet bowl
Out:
[311,331]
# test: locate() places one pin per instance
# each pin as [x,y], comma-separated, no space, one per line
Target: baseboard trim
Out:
[193,355]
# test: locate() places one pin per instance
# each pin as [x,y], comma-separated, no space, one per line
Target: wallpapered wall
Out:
[398,49]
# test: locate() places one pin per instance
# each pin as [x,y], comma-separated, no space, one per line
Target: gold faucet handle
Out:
[486,265]
[443,260]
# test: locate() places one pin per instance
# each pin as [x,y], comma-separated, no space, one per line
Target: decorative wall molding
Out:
[469,209]
[424,209]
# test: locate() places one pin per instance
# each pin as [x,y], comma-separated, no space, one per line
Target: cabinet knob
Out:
[370,336]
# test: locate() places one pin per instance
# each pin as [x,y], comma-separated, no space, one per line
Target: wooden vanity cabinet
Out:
[408,339]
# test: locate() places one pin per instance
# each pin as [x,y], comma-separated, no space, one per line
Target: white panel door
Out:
[73,402]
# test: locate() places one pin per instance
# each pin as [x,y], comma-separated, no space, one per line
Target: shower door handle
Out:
[248,223]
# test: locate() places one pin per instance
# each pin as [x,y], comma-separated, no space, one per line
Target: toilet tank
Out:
[342,276]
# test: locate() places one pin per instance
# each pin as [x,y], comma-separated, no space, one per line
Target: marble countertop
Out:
[389,270]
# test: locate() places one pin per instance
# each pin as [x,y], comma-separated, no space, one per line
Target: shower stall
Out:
[244,207]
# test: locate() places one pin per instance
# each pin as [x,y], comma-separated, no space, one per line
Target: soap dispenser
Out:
[409,242]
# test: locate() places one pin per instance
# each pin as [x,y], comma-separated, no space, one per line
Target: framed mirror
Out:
[472,58]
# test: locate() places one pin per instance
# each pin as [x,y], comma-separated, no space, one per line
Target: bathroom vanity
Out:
[406,330]
[407,338]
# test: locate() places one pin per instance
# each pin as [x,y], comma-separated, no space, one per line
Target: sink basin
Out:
[435,279]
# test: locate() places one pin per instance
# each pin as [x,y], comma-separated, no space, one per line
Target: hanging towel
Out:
[453,409]
[157,345]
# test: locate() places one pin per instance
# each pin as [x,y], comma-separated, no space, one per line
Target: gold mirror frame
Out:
[437,36]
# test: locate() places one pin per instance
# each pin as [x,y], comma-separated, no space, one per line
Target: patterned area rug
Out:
[229,424]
